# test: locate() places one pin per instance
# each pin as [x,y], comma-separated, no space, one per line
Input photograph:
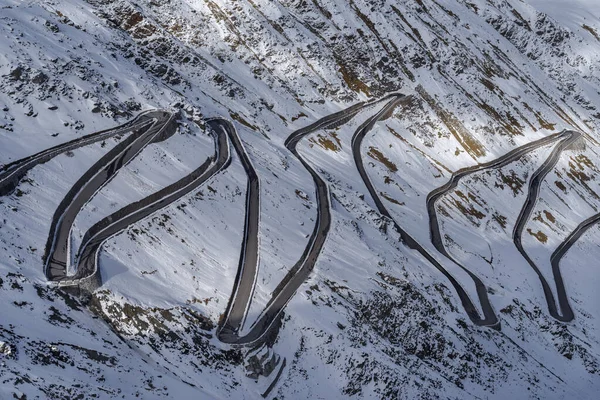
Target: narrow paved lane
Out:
[557,256]
[532,196]
[489,319]
[12,173]
[298,274]
[506,159]
[436,194]
[87,258]
[159,125]
[244,284]
[58,248]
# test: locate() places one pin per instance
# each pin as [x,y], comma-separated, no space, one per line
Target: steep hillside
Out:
[404,206]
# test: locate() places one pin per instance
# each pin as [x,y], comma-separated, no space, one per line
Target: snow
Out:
[572,14]
[374,320]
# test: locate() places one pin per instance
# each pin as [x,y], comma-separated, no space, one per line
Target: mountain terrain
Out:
[299,199]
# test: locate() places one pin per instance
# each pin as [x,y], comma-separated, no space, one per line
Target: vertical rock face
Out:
[376,317]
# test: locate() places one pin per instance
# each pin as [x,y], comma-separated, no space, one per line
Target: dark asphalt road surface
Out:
[12,173]
[96,236]
[532,195]
[489,319]
[244,283]
[155,126]
[559,253]
[58,254]
[436,194]
[298,274]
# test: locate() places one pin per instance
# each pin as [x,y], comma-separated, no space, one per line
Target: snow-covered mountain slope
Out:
[377,317]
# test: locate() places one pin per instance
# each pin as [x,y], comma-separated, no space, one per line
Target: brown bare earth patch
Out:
[195,300]
[500,219]
[582,159]
[237,117]
[391,199]
[470,211]
[513,181]
[476,199]
[175,28]
[456,128]
[579,176]
[541,121]
[352,80]
[561,186]
[328,142]
[301,115]
[132,21]
[539,235]
[549,216]
[578,166]
[488,84]
[377,155]
[442,211]
[592,31]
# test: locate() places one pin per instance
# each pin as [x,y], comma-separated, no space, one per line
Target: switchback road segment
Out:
[489,319]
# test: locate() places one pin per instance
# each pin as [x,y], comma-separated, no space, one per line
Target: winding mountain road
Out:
[12,173]
[534,188]
[155,126]
[87,275]
[436,194]
[297,275]
[557,256]
[440,192]
[58,249]
[245,280]
[87,257]
[489,319]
